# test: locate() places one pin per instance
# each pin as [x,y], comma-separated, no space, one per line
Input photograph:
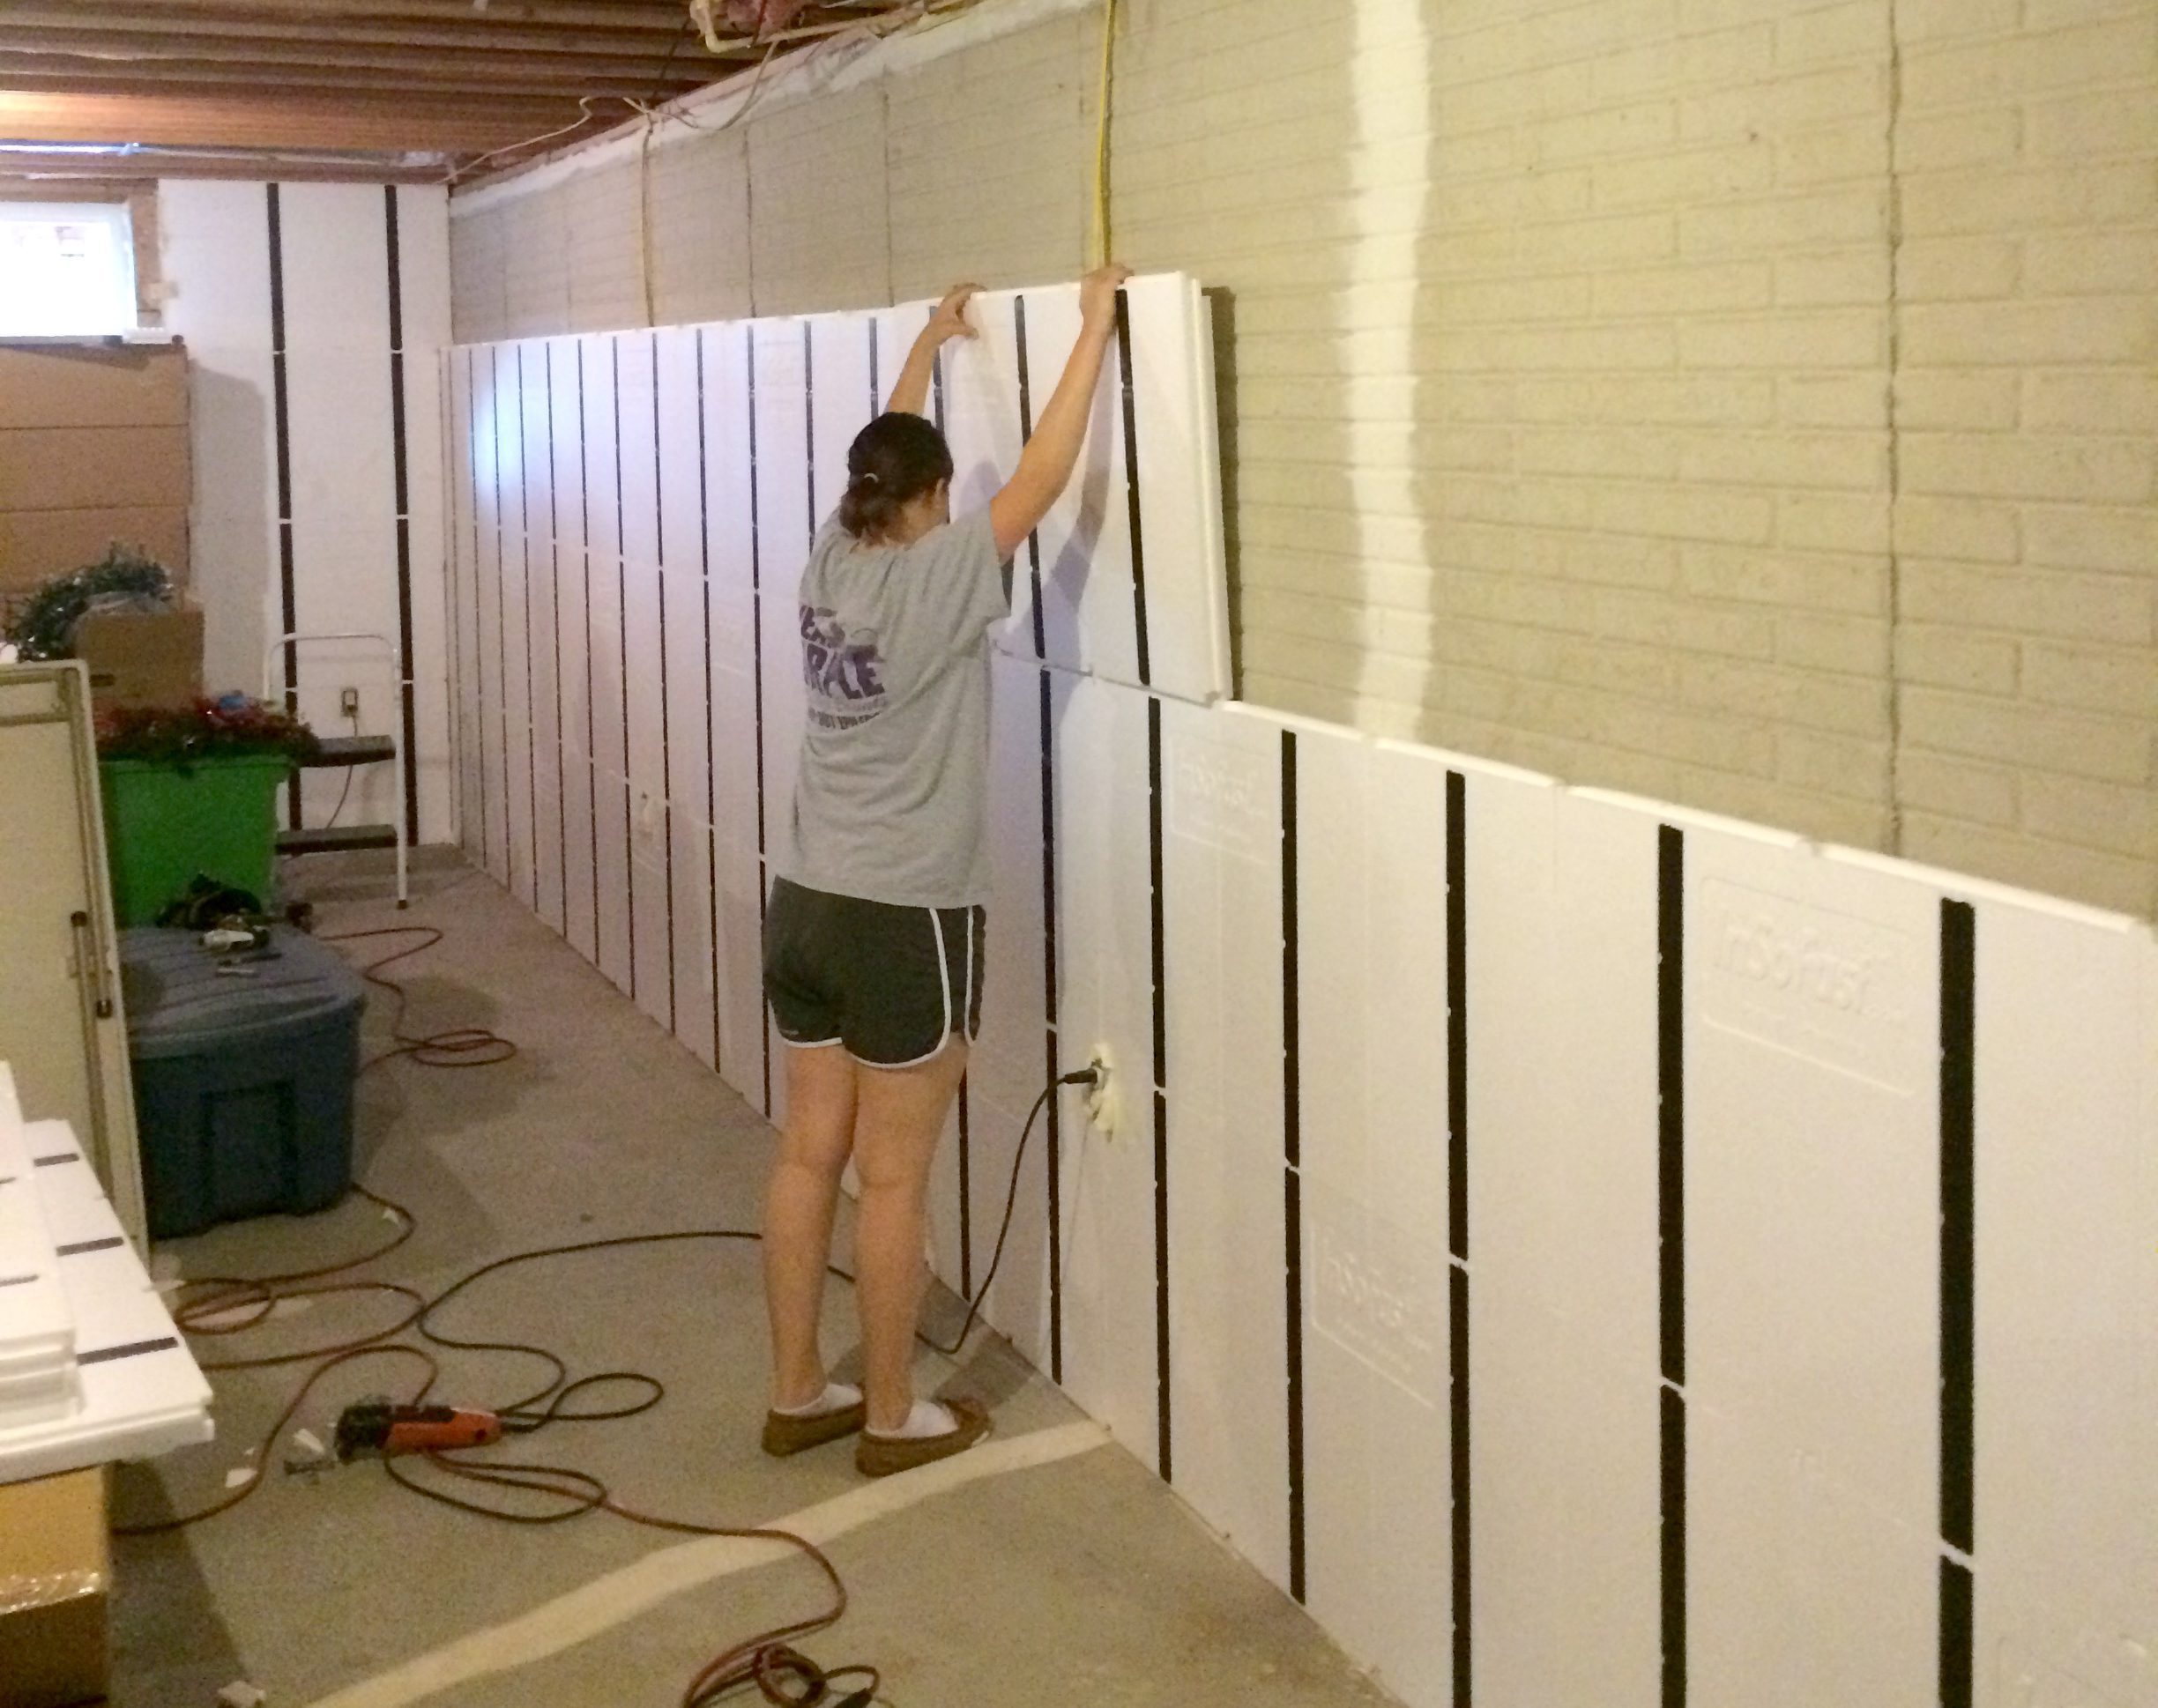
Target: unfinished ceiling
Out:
[419,87]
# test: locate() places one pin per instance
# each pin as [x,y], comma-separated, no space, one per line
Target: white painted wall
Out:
[342,453]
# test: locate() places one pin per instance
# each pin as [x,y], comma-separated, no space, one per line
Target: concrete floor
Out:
[1084,1581]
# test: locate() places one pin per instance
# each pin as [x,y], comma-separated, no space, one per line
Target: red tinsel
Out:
[229,728]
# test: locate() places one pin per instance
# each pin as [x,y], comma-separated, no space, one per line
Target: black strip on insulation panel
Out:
[1026,432]
[1670,1100]
[407,715]
[621,635]
[531,729]
[501,610]
[561,788]
[134,1349]
[1958,1639]
[1051,1065]
[1055,1151]
[756,633]
[478,732]
[1457,1014]
[1959,1176]
[1671,1260]
[1458,1229]
[1131,487]
[84,1247]
[966,1185]
[1671,1423]
[280,403]
[711,792]
[1292,1116]
[666,710]
[1164,1392]
[591,728]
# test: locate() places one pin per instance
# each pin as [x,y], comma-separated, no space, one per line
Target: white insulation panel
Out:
[1546,1231]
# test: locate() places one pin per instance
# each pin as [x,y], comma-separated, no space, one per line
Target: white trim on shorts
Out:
[936,930]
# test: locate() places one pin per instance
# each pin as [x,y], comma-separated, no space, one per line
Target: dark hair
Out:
[894,460]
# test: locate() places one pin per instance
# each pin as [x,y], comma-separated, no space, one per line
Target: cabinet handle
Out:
[91,963]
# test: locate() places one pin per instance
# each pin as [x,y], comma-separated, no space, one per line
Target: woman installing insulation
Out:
[873,937]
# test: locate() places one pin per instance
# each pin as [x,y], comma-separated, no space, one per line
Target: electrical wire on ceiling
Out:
[457,173]
[757,20]
[830,38]
[646,265]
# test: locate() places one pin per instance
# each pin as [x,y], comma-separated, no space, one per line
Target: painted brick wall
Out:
[1745,402]
[2028,410]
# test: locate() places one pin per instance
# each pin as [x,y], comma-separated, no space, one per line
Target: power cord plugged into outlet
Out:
[1104,1105]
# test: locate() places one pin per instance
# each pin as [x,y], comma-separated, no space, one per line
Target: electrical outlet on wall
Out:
[1104,1101]
[348,703]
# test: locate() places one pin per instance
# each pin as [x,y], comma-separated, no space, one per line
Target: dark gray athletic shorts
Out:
[890,984]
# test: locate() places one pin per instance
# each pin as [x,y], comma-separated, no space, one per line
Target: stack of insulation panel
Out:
[92,1368]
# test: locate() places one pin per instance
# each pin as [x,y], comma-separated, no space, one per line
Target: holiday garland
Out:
[44,625]
[232,728]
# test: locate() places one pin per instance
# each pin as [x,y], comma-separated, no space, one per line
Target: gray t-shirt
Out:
[891,804]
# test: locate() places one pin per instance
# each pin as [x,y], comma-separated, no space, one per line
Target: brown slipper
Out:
[784,1435]
[884,1456]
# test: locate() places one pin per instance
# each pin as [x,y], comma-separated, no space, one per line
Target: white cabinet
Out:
[61,1024]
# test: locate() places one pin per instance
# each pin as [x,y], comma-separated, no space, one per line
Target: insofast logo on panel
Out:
[1833,987]
[1222,796]
[1376,1292]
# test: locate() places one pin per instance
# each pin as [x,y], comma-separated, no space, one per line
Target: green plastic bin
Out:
[165,821]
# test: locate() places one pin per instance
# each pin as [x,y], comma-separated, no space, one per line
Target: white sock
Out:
[927,1420]
[837,1397]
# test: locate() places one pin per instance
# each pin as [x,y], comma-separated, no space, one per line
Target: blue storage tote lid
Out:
[178,1003]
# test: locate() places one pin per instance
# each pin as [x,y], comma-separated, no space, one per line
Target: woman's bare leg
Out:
[799,1207]
[900,1115]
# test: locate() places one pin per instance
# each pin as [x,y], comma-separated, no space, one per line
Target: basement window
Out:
[67,270]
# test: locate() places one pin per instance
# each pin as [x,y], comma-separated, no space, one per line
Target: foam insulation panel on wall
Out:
[1126,578]
[1582,1250]
[313,314]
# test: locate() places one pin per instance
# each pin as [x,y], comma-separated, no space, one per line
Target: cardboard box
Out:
[142,657]
[93,468]
[85,385]
[37,545]
[94,449]
[55,1575]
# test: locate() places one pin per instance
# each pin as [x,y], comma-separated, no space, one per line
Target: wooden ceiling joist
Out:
[476,81]
[20,173]
[64,54]
[471,32]
[659,16]
[254,121]
[237,79]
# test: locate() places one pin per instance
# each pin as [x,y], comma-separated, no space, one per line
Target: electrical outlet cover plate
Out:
[1104,1102]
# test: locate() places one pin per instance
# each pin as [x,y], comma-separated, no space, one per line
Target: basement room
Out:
[1004,853]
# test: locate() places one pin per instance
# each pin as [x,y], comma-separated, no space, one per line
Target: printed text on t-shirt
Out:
[841,667]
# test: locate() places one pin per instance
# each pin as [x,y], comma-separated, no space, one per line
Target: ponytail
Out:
[893,461]
[868,510]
